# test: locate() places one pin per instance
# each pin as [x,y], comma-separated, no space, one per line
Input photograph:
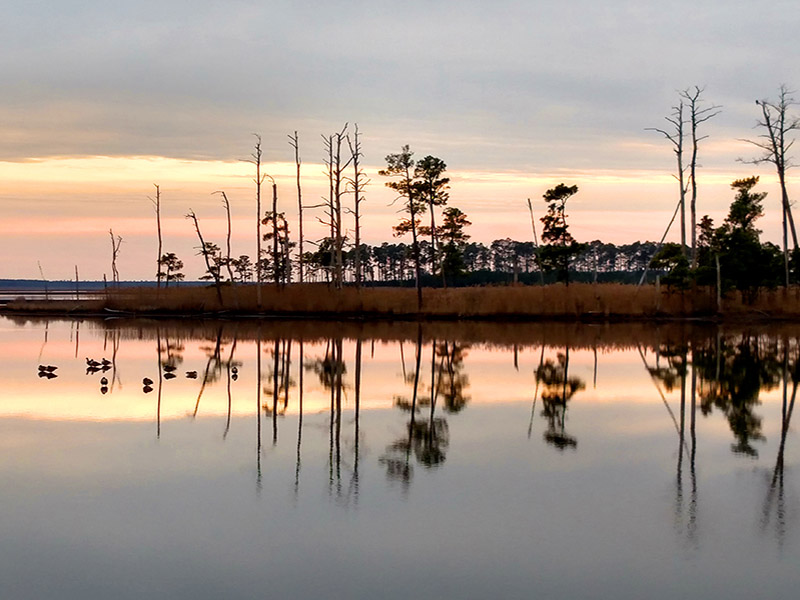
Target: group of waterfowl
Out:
[169,373]
[93,366]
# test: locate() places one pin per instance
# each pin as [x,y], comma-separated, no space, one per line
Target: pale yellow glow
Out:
[75,395]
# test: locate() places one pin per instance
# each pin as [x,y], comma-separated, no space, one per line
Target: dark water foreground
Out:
[309,460]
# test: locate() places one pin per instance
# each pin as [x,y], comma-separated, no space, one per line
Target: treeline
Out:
[440,253]
[503,260]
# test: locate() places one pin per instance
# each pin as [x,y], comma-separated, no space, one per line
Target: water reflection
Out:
[685,442]
[558,388]
[720,371]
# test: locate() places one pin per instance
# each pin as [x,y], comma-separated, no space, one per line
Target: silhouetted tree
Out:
[432,189]
[560,247]
[294,142]
[210,253]
[675,136]
[698,114]
[169,268]
[357,185]
[157,206]
[454,236]
[401,165]
[776,143]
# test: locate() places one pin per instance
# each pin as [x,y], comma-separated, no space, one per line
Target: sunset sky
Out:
[101,100]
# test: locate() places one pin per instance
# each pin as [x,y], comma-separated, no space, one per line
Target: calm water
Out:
[397,461]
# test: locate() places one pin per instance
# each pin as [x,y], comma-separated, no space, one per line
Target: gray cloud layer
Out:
[518,85]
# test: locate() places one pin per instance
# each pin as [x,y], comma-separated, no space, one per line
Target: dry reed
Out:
[578,301]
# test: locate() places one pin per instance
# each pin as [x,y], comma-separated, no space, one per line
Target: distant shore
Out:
[576,302]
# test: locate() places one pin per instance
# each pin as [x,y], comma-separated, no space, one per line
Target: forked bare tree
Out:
[335,167]
[116,241]
[357,185]
[675,136]
[204,250]
[776,142]
[259,179]
[698,114]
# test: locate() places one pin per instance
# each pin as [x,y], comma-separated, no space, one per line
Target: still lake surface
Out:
[311,460]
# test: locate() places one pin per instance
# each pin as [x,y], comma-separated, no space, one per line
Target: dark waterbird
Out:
[104,381]
[169,368]
[47,374]
[93,363]
[48,368]
[147,389]
[191,374]
[169,376]
[147,381]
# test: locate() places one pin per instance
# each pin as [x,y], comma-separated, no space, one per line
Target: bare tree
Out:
[778,126]
[697,114]
[205,251]
[335,166]
[157,205]
[675,137]
[294,142]
[116,241]
[227,206]
[357,185]
[259,179]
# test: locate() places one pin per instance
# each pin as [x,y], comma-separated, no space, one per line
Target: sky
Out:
[102,100]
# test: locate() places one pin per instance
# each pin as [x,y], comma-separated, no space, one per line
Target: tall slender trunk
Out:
[294,141]
[276,272]
[259,180]
[157,204]
[228,238]
[204,252]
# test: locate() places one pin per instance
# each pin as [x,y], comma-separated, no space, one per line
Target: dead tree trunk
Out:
[295,143]
[697,115]
[157,205]
[116,241]
[204,251]
[259,179]
[778,125]
[357,184]
[227,206]
[675,137]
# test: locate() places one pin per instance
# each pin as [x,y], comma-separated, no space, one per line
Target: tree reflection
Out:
[453,380]
[732,376]
[281,383]
[775,499]
[558,389]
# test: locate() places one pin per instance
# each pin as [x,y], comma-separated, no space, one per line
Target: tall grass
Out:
[581,301]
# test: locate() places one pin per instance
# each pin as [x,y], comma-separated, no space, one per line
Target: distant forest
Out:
[502,261]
